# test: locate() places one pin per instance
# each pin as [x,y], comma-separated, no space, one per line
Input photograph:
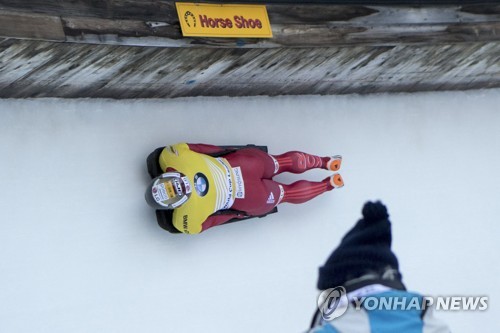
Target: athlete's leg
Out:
[262,165]
[298,162]
[262,196]
[303,190]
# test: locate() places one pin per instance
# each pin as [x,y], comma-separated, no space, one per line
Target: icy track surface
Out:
[80,250]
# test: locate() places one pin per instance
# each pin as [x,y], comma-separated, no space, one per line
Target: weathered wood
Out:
[492,9]
[346,26]
[111,9]
[80,26]
[45,69]
[316,14]
[23,25]
[116,49]
[293,26]
[161,9]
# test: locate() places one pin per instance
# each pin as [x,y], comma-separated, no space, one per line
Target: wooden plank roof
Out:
[129,49]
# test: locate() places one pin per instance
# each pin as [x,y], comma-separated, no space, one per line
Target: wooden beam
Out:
[162,9]
[307,26]
[31,26]
[47,69]
[79,26]
[293,26]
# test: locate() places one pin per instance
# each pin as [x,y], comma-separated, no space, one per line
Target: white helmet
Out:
[168,191]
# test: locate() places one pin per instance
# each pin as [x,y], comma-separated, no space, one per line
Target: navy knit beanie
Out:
[365,248]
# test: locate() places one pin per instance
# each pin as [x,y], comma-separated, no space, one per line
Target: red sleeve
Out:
[216,220]
[204,149]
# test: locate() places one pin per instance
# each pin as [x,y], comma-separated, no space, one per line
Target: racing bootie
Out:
[336,181]
[334,163]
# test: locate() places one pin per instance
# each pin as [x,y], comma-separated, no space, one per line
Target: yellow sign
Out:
[216,20]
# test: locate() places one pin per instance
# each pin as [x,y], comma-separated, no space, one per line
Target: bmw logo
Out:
[201,184]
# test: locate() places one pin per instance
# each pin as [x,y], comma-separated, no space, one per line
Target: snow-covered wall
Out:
[80,250]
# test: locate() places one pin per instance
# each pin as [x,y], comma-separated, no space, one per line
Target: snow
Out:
[80,250]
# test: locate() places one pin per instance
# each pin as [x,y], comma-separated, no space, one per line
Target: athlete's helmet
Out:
[168,191]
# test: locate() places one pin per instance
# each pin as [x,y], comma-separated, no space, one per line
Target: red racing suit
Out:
[238,184]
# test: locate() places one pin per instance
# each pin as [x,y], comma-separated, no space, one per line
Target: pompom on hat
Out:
[366,248]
